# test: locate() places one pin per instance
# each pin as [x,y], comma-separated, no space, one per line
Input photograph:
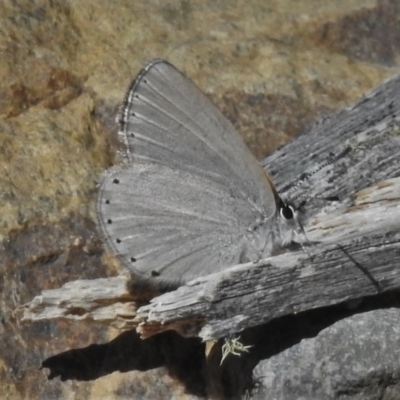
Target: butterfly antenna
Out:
[306,197]
[330,160]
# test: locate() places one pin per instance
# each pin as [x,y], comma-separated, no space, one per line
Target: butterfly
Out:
[191,199]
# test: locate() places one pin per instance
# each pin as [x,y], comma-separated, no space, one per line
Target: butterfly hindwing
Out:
[182,230]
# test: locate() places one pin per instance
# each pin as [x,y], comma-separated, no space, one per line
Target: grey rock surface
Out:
[357,358]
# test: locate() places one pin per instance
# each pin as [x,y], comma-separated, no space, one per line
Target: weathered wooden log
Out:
[354,155]
[363,264]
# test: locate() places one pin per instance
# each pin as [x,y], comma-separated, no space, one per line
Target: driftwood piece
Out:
[105,300]
[353,154]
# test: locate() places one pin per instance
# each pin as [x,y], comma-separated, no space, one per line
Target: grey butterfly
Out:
[192,199]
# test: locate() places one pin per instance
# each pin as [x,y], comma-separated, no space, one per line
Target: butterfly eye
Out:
[287,211]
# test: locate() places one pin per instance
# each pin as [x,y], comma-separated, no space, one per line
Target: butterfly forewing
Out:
[168,120]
